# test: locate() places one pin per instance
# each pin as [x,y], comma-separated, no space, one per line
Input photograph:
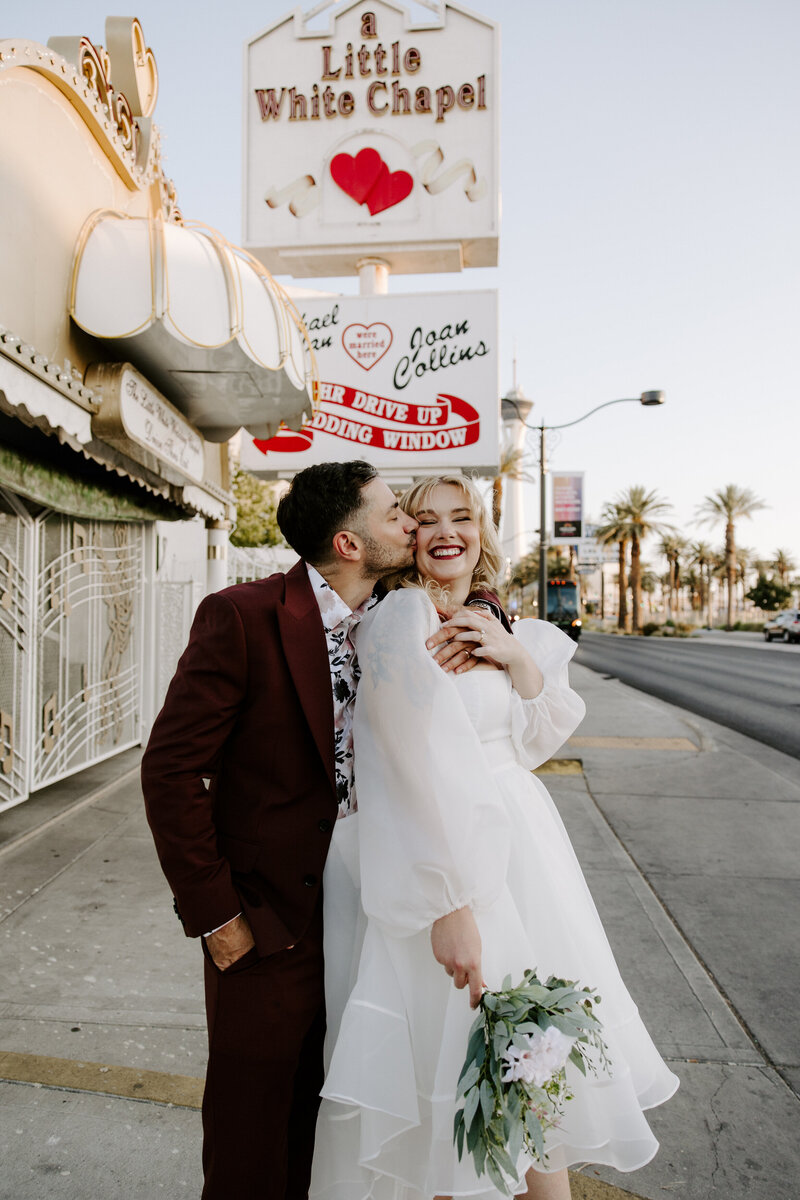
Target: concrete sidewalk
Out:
[689,837]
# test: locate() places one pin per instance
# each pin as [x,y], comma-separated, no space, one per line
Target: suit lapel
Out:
[306,651]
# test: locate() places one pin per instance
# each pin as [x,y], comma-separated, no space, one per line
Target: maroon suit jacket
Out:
[250,707]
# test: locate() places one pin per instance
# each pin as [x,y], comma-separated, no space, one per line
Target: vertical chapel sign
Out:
[374,137]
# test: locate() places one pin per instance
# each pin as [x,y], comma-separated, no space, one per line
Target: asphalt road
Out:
[752,688]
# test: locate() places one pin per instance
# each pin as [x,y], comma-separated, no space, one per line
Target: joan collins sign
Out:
[407,382]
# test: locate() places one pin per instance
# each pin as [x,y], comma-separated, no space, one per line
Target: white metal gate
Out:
[87,692]
[16,540]
[177,602]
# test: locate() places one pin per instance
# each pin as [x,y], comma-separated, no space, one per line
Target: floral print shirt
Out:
[338,622]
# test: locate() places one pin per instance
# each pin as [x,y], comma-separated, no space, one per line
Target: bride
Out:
[457,870]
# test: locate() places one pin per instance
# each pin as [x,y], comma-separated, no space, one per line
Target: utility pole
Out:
[542,525]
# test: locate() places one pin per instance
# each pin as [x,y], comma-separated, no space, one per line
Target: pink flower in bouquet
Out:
[543,1057]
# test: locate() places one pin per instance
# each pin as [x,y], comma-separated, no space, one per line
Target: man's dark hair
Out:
[322,500]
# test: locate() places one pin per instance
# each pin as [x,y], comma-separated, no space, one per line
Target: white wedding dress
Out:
[449,814]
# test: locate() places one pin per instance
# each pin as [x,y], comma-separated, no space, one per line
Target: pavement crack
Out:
[714,1140]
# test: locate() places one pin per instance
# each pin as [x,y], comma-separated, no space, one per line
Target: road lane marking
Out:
[561,766]
[183,1091]
[632,743]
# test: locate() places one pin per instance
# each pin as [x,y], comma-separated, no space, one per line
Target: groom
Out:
[248,766]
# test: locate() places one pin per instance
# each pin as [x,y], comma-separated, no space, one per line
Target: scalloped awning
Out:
[200,318]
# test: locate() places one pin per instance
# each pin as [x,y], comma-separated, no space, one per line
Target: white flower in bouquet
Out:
[544,1055]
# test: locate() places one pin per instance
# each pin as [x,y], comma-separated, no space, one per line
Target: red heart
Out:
[388,189]
[355,176]
[365,347]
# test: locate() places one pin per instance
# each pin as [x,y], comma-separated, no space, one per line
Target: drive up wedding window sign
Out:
[405,380]
[370,137]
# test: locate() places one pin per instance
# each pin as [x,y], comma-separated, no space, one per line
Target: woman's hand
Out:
[484,639]
[478,632]
[456,945]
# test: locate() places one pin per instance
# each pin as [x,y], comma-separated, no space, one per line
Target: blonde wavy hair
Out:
[491,563]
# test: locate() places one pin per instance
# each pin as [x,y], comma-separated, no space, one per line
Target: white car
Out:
[785,626]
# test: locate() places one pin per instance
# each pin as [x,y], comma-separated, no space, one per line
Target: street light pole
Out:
[648,399]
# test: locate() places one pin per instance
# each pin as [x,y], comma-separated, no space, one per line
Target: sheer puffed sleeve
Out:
[541,725]
[433,831]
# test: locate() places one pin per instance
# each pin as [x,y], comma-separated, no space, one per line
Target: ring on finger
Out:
[483,637]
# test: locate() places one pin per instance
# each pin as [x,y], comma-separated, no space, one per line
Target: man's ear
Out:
[347,545]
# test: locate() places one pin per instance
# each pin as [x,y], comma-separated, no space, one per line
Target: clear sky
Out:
[651,200]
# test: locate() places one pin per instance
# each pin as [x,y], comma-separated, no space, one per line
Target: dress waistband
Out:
[500,753]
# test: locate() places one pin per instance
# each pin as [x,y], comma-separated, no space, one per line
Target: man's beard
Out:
[380,559]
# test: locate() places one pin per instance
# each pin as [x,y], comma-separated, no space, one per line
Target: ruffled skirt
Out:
[397,1028]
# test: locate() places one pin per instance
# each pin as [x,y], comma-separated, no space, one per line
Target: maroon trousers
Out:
[266,1028]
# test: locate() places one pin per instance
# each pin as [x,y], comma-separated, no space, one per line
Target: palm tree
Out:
[672,546]
[729,504]
[717,570]
[693,582]
[745,557]
[510,468]
[641,510]
[783,563]
[649,581]
[702,556]
[613,527]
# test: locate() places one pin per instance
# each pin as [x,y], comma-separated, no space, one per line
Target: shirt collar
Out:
[332,607]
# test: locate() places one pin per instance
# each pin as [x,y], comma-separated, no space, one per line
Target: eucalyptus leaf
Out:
[468,1080]
[479,1157]
[500,1044]
[535,1134]
[459,1138]
[515,1141]
[497,1178]
[487,1101]
[565,1024]
[576,1058]
[477,1038]
[554,997]
[535,992]
[471,1106]
[503,1159]
[478,1023]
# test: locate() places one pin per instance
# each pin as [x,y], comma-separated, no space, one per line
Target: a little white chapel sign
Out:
[375,136]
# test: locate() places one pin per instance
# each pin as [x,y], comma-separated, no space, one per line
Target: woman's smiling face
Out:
[448,538]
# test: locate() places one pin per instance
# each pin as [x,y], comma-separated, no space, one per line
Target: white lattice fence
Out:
[176,605]
[249,563]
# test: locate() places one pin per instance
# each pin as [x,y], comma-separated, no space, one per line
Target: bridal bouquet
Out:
[513,1081]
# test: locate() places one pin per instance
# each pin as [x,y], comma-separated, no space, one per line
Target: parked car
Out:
[784,626]
[791,625]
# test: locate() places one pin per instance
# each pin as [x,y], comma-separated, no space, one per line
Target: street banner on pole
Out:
[567,507]
[408,382]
